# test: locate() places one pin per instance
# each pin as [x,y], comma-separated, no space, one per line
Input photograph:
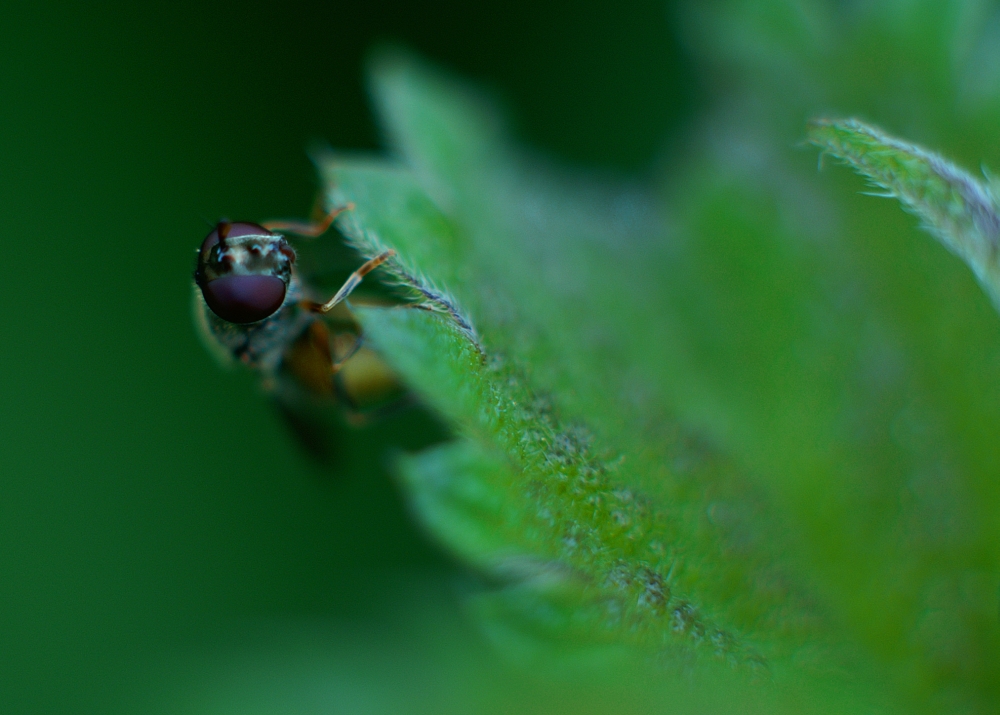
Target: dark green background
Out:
[157,526]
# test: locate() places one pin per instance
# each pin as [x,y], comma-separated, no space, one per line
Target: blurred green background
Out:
[163,544]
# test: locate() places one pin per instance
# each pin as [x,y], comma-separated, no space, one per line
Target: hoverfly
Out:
[254,308]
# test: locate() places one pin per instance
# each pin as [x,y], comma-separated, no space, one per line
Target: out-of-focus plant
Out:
[737,422]
[957,208]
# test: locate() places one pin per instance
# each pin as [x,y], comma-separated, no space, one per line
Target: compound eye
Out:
[244,299]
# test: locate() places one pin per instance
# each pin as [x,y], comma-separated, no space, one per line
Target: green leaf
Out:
[866,401]
[547,343]
[801,397]
[956,208]
[531,503]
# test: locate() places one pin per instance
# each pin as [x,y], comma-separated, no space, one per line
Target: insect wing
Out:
[310,425]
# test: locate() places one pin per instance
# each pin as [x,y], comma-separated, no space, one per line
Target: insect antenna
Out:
[223,227]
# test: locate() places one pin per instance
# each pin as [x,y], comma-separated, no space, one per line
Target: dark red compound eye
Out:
[244,299]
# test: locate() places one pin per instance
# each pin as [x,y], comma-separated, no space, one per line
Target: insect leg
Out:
[338,361]
[310,229]
[352,282]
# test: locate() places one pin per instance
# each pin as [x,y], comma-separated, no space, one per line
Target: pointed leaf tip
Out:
[957,208]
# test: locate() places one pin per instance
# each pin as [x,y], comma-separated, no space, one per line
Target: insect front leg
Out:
[310,229]
[352,282]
